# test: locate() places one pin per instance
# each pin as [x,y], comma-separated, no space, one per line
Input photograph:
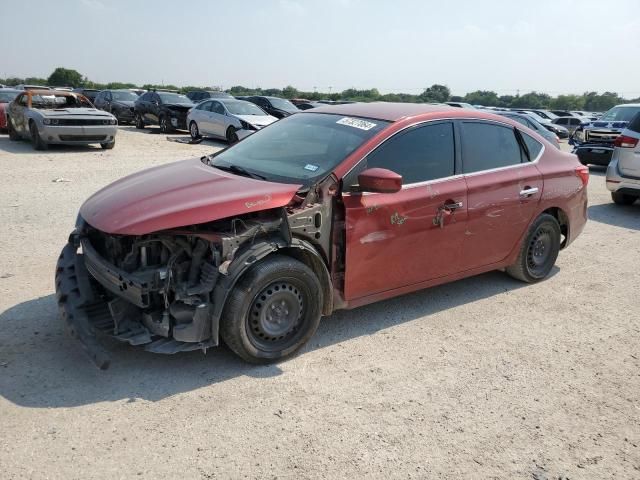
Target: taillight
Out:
[624,141]
[583,172]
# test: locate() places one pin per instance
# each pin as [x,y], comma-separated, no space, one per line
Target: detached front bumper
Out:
[593,153]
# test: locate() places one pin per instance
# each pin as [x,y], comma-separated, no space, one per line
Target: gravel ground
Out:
[481,378]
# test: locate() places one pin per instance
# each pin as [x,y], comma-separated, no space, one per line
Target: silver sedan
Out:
[227,118]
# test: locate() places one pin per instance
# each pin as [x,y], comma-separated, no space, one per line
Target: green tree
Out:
[482,97]
[63,77]
[290,92]
[532,100]
[436,93]
[568,102]
[594,102]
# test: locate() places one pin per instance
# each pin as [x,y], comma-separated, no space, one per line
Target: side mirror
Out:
[379,180]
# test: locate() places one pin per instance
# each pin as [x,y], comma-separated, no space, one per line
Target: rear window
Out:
[534,146]
[635,123]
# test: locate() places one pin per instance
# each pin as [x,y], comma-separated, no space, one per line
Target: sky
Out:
[551,46]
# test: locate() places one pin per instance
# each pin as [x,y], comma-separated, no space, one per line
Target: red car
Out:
[329,209]
[6,96]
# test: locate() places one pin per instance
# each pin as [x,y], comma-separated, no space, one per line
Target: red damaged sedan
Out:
[328,209]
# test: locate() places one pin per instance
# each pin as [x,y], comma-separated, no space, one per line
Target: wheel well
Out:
[563,221]
[319,268]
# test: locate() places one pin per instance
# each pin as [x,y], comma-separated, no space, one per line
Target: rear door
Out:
[396,239]
[504,189]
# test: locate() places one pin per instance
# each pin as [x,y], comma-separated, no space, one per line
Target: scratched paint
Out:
[372,209]
[397,219]
[260,201]
[376,237]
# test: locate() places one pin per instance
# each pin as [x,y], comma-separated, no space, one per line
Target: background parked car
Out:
[6,96]
[309,105]
[533,125]
[227,118]
[117,102]
[24,86]
[559,130]
[90,93]
[275,106]
[166,109]
[51,116]
[623,172]
[460,105]
[199,95]
[570,123]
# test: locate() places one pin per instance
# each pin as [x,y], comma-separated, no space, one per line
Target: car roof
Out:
[51,92]
[388,111]
[11,90]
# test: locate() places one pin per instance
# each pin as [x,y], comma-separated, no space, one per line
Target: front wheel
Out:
[622,198]
[13,135]
[165,127]
[232,136]
[539,250]
[272,311]
[36,140]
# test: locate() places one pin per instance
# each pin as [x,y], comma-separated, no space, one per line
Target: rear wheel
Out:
[623,198]
[539,250]
[193,130]
[36,141]
[232,136]
[139,121]
[272,311]
[13,135]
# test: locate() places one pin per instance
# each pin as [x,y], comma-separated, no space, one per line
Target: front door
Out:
[504,189]
[400,239]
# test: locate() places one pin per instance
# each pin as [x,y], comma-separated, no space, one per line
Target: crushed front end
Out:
[594,142]
[152,290]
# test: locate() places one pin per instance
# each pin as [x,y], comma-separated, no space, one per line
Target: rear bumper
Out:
[617,182]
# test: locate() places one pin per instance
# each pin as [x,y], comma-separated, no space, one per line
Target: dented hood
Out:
[179,194]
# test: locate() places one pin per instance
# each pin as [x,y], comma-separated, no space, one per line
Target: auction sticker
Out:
[311,167]
[356,123]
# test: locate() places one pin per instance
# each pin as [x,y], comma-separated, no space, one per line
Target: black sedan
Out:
[117,102]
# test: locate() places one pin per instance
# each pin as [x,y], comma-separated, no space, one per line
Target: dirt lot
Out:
[482,378]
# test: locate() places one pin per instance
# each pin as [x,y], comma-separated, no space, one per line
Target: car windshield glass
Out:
[59,101]
[173,98]
[243,108]
[6,97]
[620,114]
[301,148]
[282,104]
[124,96]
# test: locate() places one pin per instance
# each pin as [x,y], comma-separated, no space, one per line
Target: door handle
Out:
[452,205]
[445,210]
[528,192]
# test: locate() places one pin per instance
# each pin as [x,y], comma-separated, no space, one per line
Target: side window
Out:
[145,97]
[420,154]
[534,146]
[204,106]
[486,146]
[23,100]
[563,121]
[217,108]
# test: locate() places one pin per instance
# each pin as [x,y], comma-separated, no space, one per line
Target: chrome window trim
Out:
[451,177]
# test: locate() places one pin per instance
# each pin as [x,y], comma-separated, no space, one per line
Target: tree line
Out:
[589,101]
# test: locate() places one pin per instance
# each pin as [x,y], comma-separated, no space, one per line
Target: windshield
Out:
[124,96]
[239,107]
[59,101]
[620,114]
[282,104]
[301,148]
[6,97]
[173,98]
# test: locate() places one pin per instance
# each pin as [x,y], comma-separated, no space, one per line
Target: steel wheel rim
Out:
[539,251]
[194,130]
[163,124]
[277,316]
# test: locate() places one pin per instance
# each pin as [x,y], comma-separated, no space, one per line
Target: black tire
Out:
[194,131]
[623,198]
[139,122]
[13,135]
[36,141]
[232,136]
[109,145]
[539,250]
[272,311]
[165,126]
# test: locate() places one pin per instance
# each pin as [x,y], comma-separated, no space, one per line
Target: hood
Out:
[180,106]
[179,194]
[257,120]
[91,112]
[606,125]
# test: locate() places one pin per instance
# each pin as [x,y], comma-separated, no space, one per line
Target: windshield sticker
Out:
[311,168]
[356,123]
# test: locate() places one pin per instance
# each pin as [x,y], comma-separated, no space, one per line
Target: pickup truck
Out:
[594,142]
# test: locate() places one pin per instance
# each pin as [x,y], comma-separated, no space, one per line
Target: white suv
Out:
[623,173]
